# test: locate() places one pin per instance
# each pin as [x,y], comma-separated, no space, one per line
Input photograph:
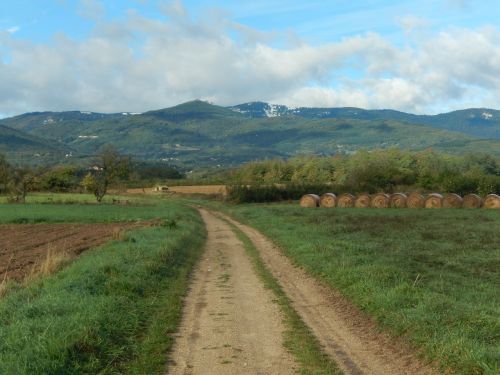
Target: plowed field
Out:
[24,245]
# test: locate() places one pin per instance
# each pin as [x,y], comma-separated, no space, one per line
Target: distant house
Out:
[161,189]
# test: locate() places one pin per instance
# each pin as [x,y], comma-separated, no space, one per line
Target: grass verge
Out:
[430,276]
[298,339]
[113,310]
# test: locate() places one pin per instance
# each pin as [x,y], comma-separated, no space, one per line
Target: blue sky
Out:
[335,53]
[315,21]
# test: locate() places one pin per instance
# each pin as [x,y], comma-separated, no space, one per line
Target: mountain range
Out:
[198,134]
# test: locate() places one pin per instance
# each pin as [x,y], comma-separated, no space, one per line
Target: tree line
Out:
[365,171]
[108,169]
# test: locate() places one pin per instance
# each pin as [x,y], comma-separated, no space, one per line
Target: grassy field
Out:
[80,208]
[113,310]
[428,275]
[66,198]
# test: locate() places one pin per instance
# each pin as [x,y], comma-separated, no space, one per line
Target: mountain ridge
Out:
[479,122]
[198,133]
[21,146]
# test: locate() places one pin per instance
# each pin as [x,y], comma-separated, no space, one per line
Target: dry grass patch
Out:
[492,201]
[472,201]
[346,201]
[362,201]
[434,200]
[309,201]
[381,200]
[398,200]
[452,200]
[328,200]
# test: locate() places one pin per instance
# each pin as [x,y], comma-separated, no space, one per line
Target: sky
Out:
[136,55]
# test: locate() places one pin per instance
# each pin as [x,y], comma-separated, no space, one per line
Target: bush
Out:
[275,193]
[365,172]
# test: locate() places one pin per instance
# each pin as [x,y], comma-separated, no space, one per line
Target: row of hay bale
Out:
[401,200]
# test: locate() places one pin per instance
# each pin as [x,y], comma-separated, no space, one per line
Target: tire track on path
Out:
[231,324]
[346,334]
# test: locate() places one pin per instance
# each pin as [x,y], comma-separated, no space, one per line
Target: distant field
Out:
[70,198]
[81,208]
[431,276]
[185,189]
[114,308]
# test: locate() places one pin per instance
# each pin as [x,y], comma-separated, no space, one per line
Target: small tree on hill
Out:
[109,168]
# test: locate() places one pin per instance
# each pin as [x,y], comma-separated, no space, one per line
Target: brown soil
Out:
[230,324]
[349,336]
[22,246]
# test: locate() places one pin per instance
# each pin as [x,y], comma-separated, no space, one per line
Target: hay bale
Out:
[415,200]
[346,201]
[362,201]
[328,200]
[309,200]
[452,200]
[472,201]
[398,200]
[381,200]
[492,201]
[434,200]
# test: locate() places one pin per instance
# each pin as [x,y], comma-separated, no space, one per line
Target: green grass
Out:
[428,275]
[298,339]
[40,209]
[74,198]
[114,309]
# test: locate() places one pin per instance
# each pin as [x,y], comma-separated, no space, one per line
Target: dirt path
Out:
[230,324]
[346,334]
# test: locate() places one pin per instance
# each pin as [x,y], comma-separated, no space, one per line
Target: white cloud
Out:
[91,9]
[13,29]
[410,23]
[140,64]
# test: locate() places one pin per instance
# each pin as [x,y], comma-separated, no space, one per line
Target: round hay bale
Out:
[328,200]
[309,201]
[362,201]
[472,201]
[492,201]
[398,200]
[415,200]
[346,201]
[434,200]
[452,200]
[381,200]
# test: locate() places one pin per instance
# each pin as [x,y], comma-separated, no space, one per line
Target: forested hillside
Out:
[197,133]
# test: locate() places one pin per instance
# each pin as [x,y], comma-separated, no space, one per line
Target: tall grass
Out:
[54,260]
[429,276]
[113,310]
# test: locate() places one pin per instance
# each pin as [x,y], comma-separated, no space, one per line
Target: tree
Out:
[58,179]
[109,168]
[21,181]
[5,171]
